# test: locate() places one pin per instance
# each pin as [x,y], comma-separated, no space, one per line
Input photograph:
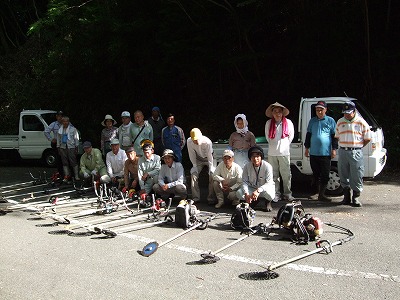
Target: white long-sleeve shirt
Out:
[171,176]
[258,178]
[234,175]
[279,146]
[201,152]
[115,163]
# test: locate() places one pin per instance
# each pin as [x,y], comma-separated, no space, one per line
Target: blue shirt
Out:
[321,131]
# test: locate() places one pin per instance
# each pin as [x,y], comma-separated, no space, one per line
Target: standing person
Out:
[51,134]
[173,137]
[227,179]
[149,167]
[320,146]
[131,179]
[157,123]
[171,177]
[92,163]
[67,145]
[353,133]
[201,155]
[115,162]
[108,133]
[124,131]
[258,180]
[279,132]
[241,140]
[139,131]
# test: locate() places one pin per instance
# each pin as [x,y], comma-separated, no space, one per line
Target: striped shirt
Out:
[352,133]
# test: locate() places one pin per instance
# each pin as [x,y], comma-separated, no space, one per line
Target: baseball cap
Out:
[321,104]
[130,149]
[168,152]
[114,142]
[348,107]
[87,144]
[228,152]
[125,114]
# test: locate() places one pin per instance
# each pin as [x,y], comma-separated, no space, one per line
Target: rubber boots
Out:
[322,196]
[66,174]
[346,196]
[76,172]
[355,201]
[220,203]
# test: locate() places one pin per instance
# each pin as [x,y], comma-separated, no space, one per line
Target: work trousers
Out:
[281,168]
[195,183]
[351,169]
[321,166]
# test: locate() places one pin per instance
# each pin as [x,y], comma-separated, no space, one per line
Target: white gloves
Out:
[85,174]
[94,172]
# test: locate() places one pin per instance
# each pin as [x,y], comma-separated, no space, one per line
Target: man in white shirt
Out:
[279,132]
[200,153]
[171,177]
[227,179]
[115,161]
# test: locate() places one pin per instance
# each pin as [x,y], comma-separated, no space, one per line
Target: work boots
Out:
[322,197]
[346,196]
[355,202]
[220,203]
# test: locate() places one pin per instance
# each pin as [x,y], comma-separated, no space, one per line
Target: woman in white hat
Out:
[108,133]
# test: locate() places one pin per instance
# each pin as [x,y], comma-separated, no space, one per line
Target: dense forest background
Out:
[204,60]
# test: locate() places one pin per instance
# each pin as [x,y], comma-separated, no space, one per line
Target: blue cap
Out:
[87,144]
[348,107]
[156,108]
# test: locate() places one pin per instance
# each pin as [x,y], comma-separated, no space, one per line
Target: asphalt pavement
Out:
[38,263]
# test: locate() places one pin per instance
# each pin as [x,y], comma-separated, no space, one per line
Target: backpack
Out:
[243,216]
[185,214]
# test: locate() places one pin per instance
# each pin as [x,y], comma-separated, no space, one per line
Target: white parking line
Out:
[297,267]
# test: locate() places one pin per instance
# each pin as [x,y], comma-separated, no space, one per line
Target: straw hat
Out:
[108,117]
[268,112]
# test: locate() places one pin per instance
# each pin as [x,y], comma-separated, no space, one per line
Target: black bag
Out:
[243,216]
[185,214]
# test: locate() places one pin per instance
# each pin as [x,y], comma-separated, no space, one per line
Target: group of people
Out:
[131,156]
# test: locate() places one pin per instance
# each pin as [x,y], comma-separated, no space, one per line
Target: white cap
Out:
[125,114]
[229,153]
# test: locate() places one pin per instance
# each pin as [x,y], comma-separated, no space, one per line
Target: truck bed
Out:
[8,141]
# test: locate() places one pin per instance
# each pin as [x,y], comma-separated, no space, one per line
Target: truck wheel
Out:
[50,158]
[334,187]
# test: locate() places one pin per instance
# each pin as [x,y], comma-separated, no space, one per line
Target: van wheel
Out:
[50,158]
[334,187]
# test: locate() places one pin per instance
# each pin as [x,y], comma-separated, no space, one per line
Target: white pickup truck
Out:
[30,143]
[374,153]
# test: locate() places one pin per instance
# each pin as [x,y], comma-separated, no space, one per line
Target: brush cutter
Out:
[211,257]
[322,246]
[157,214]
[152,247]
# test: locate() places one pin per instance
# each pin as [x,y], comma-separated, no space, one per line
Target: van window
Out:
[32,123]
[49,118]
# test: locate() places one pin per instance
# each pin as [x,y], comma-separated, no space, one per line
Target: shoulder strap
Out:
[138,134]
